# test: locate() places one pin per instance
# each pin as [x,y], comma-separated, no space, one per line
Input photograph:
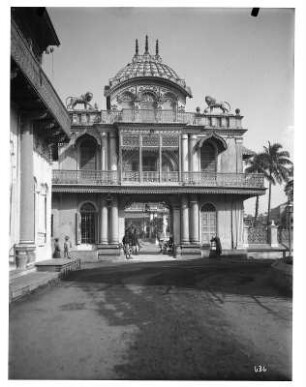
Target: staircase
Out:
[148,247]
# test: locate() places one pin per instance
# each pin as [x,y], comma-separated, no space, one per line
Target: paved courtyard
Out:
[155,320]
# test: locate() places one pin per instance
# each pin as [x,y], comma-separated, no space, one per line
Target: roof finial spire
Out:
[136,47]
[147,45]
[157,48]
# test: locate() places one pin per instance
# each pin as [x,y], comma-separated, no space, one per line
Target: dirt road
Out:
[172,320]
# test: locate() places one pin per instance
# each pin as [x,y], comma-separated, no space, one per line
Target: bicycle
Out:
[127,250]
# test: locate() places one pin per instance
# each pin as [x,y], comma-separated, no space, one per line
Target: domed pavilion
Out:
[146,166]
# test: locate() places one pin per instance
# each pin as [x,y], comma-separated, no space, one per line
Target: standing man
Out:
[218,245]
[67,246]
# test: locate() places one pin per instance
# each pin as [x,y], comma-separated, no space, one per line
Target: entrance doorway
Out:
[88,224]
[208,223]
[152,224]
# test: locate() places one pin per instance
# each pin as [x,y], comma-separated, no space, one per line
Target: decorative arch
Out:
[75,139]
[208,222]
[126,100]
[148,100]
[169,101]
[88,153]
[215,138]
[171,159]
[84,202]
[208,157]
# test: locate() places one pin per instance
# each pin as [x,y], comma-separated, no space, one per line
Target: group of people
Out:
[166,246]
[130,242]
[57,248]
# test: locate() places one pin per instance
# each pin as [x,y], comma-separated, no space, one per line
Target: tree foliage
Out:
[275,164]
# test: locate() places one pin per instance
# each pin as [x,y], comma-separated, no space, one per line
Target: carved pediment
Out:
[214,137]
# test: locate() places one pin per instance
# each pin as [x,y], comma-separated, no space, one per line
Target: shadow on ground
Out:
[233,277]
[183,329]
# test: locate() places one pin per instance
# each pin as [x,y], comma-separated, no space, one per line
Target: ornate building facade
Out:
[144,152]
[38,121]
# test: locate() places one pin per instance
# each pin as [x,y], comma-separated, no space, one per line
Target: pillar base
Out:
[190,251]
[108,251]
[25,255]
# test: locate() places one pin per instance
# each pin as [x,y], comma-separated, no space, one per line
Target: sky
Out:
[225,53]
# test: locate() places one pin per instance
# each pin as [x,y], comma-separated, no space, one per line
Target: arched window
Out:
[208,223]
[147,101]
[169,102]
[147,107]
[126,101]
[88,223]
[88,154]
[208,158]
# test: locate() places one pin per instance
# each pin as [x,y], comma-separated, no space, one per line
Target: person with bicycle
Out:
[126,241]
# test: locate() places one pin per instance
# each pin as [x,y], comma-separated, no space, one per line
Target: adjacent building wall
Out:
[43,184]
[42,172]
[14,184]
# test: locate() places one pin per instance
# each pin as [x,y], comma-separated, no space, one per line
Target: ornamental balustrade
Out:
[31,68]
[87,117]
[95,178]
[86,177]
[258,234]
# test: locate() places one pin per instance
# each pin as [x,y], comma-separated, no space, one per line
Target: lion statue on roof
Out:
[212,103]
[84,99]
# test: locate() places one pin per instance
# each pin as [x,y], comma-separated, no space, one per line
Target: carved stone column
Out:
[239,161]
[185,152]
[184,220]
[194,219]
[245,236]
[193,156]
[103,222]
[25,250]
[113,163]
[176,225]
[104,152]
[272,235]
[114,237]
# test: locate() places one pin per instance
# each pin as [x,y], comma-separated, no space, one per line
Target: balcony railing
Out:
[32,70]
[87,117]
[106,178]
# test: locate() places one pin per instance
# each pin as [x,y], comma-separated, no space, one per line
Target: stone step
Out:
[25,284]
[85,255]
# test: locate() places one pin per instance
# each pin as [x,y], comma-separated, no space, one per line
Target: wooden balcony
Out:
[184,179]
[35,76]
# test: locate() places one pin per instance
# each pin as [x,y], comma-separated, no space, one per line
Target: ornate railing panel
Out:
[32,70]
[130,176]
[225,180]
[170,177]
[85,177]
[85,117]
[258,235]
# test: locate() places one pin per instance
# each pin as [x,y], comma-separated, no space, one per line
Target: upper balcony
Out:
[39,83]
[222,181]
[88,117]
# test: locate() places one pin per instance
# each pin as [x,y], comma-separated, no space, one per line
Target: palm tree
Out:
[289,188]
[256,165]
[276,166]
